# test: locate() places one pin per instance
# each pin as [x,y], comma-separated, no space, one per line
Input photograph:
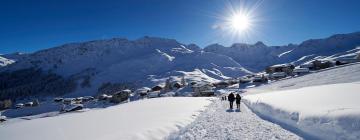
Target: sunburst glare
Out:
[239,22]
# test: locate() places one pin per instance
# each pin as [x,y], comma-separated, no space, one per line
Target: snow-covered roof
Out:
[69,99]
[126,90]
[154,92]
[281,65]
[144,88]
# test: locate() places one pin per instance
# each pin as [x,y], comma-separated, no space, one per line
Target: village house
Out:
[193,83]
[299,71]
[29,104]
[156,88]
[19,105]
[78,100]
[322,64]
[279,71]
[278,75]
[176,85]
[347,60]
[244,80]
[120,96]
[68,101]
[71,107]
[308,65]
[286,68]
[261,78]
[204,89]
[87,98]
[154,94]
[222,84]
[58,99]
[143,91]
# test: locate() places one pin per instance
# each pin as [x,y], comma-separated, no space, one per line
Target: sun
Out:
[240,22]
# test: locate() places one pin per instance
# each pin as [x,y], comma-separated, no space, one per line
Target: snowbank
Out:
[145,119]
[325,112]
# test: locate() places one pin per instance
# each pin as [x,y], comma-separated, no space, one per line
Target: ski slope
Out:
[144,119]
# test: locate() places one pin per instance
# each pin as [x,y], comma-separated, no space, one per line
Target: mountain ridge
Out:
[148,61]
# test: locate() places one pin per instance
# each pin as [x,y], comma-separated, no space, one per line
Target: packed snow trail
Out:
[218,122]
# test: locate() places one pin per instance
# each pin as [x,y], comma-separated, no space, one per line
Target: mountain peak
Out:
[260,44]
[154,39]
[240,45]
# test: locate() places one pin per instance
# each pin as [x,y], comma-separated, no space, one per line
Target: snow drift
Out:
[325,112]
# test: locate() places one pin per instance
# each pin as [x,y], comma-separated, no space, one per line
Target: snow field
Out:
[144,119]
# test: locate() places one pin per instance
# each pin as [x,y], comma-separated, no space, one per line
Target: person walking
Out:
[231,99]
[238,99]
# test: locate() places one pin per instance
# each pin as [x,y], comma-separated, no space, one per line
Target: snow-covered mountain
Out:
[81,68]
[257,56]
[254,57]
[142,62]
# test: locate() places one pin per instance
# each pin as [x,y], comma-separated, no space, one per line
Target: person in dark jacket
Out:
[231,99]
[238,99]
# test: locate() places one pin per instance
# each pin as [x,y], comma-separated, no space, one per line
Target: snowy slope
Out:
[145,119]
[124,61]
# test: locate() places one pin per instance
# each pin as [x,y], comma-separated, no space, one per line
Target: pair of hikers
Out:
[223,98]
[232,98]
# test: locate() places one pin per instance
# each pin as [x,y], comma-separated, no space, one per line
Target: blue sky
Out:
[28,26]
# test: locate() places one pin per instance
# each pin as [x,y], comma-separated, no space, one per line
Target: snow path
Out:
[217,122]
